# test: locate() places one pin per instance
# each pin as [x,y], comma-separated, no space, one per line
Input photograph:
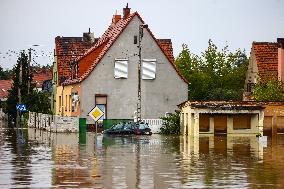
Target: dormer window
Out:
[121,68]
[149,69]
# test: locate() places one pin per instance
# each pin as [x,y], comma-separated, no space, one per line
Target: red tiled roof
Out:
[266,55]
[40,76]
[67,50]
[93,56]
[5,85]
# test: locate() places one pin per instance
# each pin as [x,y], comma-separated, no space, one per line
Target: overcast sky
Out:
[234,22]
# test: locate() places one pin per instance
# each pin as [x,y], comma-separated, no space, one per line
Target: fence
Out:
[53,123]
[154,124]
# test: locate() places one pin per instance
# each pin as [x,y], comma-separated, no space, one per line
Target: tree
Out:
[5,75]
[216,75]
[268,89]
[35,101]
[12,100]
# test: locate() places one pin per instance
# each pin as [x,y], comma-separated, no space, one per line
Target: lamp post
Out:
[141,27]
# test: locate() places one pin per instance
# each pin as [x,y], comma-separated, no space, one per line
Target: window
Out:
[59,104]
[69,103]
[75,101]
[135,39]
[101,102]
[250,87]
[66,100]
[120,68]
[149,69]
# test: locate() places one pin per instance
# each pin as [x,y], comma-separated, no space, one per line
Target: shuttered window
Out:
[149,69]
[121,68]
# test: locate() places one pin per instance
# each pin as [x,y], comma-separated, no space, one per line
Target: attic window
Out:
[121,68]
[135,39]
[149,69]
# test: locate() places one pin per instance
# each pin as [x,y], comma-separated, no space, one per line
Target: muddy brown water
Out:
[37,159]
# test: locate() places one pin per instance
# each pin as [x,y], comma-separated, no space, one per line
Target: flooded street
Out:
[47,160]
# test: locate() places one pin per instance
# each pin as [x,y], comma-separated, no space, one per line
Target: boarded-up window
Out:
[241,121]
[280,124]
[149,69]
[267,125]
[120,68]
[204,122]
[220,123]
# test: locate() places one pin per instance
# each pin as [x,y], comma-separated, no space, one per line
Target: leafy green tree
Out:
[268,89]
[216,75]
[35,101]
[171,124]
[5,74]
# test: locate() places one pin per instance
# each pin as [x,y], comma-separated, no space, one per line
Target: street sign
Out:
[21,107]
[96,113]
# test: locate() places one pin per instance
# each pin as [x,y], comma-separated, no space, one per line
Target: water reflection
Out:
[89,161]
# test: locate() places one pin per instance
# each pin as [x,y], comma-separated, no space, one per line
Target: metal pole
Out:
[29,64]
[139,116]
[139,76]
[19,95]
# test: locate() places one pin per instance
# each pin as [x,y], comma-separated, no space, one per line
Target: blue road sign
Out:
[21,107]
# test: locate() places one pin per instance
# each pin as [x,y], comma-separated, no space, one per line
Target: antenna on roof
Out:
[89,30]
[127,5]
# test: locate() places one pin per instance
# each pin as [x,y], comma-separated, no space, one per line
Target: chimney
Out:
[280,42]
[116,18]
[88,37]
[126,11]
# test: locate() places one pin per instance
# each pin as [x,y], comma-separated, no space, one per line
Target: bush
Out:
[171,124]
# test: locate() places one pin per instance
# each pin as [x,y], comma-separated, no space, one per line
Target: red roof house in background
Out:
[5,85]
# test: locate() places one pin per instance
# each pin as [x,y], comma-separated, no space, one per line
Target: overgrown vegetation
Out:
[268,89]
[171,124]
[216,75]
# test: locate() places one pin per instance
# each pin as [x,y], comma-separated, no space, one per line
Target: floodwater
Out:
[37,159]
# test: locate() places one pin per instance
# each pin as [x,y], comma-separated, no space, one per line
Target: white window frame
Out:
[120,65]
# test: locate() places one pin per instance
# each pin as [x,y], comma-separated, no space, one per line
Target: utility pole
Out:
[19,94]
[141,27]
[29,64]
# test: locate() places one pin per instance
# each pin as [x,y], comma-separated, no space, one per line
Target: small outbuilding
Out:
[221,117]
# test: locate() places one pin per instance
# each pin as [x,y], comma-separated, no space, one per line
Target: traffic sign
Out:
[21,107]
[96,113]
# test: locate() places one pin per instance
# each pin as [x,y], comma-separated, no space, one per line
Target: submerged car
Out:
[129,128]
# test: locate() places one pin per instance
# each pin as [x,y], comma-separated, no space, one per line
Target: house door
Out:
[220,124]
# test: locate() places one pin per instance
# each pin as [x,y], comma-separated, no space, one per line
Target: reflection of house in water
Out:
[207,159]
[221,117]
[74,164]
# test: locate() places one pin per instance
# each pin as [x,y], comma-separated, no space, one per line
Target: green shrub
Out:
[171,124]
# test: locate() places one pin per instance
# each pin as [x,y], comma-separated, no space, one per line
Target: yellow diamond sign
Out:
[96,113]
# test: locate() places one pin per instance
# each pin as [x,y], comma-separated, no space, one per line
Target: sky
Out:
[236,23]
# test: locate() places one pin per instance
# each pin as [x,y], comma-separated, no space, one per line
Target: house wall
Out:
[67,103]
[251,75]
[273,118]
[159,96]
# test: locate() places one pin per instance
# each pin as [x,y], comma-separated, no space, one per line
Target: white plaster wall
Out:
[158,96]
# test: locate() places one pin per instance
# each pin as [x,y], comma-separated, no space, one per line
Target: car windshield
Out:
[127,126]
[143,126]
